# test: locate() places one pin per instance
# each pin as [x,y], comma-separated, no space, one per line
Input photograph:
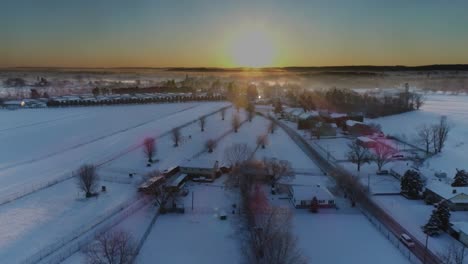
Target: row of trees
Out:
[266,230]
[115,101]
[347,100]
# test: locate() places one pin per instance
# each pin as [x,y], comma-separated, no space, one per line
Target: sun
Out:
[252,48]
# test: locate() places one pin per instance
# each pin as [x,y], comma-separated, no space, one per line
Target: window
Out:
[331,201]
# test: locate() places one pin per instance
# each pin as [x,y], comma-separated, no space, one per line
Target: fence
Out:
[71,243]
[392,238]
[34,188]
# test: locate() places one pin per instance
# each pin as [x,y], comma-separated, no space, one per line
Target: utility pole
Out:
[192,200]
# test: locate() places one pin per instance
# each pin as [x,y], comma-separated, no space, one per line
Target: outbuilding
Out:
[456,197]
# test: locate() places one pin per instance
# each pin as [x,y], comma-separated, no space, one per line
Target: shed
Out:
[456,197]
[302,195]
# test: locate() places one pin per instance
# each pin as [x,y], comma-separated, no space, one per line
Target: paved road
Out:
[360,196]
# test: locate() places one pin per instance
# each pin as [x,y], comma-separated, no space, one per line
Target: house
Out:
[302,195]
[356,128]
[456,197]
[460,231]
[292,114]
[324,129]
[301,189]
[366,142]
[13,105]
[200,168]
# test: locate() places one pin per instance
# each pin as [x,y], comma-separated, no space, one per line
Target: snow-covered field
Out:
[456,109]
[343,238]
[46,216]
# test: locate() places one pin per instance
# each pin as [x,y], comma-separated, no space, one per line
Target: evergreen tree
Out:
[460,179]
[314,205]
[411,184]
[433,225]
[443,213]
[278,107]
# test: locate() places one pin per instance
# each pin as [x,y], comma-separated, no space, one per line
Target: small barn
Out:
[358,129]
[151,185]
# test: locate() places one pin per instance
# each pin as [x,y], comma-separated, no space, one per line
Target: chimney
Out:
[454,191]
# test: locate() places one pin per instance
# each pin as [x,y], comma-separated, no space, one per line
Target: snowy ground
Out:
[343,238]
[55,149]
[198,236]
[456,109]
[46,216]
[412,214]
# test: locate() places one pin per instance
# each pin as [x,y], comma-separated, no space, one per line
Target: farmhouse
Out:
[456,197]
[357,129]
[302,196]
[200,168]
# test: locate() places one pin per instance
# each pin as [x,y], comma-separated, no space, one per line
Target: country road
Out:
[333,170]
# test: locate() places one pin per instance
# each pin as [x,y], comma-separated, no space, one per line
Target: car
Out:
[398,156]
[407,240]
[382,172]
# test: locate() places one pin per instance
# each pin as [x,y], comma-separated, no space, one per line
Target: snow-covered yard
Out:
[197,236]
[412,214]
[343,238]
[456,109]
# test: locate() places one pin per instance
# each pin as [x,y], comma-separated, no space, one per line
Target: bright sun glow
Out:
[253,48]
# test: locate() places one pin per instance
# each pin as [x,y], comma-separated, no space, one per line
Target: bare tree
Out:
[87,179]
[237,154]
[272,127]
[149,148]
[425,137]
[271,240]
[202,122]
[250,111]
[210,145]
[223,113]
[441,133]
[176,136]
[454,254]
[262,141]
[382,154]
[418,100]
[235,122]
[117,247]
[278,169]
[358,154]
[163,196]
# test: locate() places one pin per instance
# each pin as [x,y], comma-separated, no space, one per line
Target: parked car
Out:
[398,156]
[407,240]
[382,172]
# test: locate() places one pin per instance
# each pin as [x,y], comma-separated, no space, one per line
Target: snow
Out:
[343,238]
[412,214]
[197,236]
[446,190]
[436,105]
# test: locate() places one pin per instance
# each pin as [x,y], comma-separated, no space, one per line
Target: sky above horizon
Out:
[212,33]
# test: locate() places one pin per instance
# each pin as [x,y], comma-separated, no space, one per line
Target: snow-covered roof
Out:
[446,191]
[309,114]
[366,139]
[401,168]
[460,227]
[152,180]
[308,192]
[199,163]
[177,180]
[337,115]
[291,110]
[353,123]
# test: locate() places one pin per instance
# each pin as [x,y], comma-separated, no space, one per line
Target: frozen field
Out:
[456,109]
